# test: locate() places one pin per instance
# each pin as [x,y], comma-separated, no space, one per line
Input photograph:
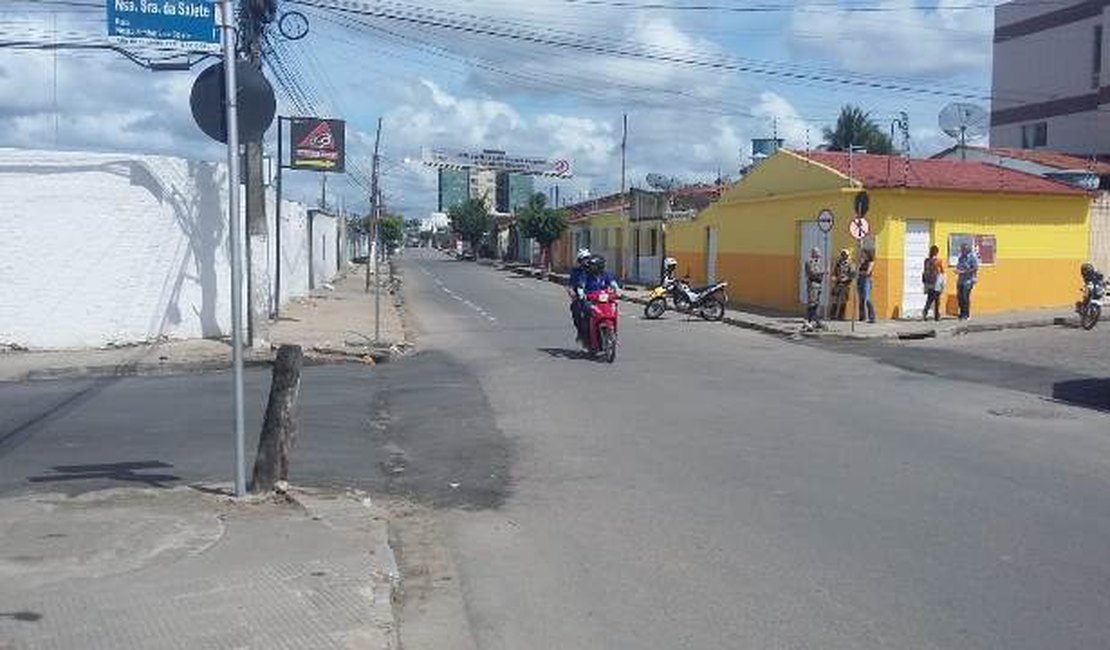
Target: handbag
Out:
[939,285]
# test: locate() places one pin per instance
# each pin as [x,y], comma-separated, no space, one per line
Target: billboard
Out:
[317,144]
[497,160]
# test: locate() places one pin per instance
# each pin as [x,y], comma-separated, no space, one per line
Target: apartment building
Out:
[1051,82]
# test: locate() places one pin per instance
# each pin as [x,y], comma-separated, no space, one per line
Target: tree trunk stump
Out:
[279,428]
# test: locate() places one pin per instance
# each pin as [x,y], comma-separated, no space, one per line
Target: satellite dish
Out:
[661,182]
[964,121]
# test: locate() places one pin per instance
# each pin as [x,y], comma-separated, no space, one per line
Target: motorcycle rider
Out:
[1090,274]
[670,269]
[1093,280]
[594,278]
[578,278]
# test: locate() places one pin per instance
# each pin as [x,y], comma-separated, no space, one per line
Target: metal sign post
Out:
[859,229]
[825,222]
[227,26]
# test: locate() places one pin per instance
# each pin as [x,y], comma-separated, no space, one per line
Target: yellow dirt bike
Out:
[707,302]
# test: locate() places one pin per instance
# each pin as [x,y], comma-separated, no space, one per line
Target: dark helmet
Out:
[1087,269]
[596,264]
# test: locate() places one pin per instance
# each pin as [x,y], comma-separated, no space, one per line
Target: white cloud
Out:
[903,38]
[775,115]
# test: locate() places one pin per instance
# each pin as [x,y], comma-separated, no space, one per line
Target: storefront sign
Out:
[317,144]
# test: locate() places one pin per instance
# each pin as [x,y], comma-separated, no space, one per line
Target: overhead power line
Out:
[593,46]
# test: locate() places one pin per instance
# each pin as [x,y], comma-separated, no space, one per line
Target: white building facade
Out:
[1051,81]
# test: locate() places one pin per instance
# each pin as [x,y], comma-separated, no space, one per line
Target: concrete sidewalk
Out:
[333,323]
[190,568]
[789,325]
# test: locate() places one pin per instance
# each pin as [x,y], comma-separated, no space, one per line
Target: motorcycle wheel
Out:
[608,344]
[1088,316]
[655,308]
[713,309]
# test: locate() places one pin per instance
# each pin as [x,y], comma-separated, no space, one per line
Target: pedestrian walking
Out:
[932,277]
[815,277]
[967,272]
[842,285]
[864,285]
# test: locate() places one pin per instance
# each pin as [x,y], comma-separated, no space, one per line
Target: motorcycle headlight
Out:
[603,298]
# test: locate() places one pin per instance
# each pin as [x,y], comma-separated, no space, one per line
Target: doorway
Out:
[916,249]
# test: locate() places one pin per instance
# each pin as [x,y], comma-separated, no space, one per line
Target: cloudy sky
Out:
[697,78]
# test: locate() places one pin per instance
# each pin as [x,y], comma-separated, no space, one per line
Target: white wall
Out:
[109,249]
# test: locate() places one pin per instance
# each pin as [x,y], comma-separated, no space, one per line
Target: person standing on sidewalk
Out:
[967,271]
[864,285]
[815,277]
[933,279]
[842,285]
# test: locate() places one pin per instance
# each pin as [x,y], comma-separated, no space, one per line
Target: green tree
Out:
[542,223]
[855,128]
[471,221]
[391,231]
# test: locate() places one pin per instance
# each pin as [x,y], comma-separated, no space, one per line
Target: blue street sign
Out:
[182,24]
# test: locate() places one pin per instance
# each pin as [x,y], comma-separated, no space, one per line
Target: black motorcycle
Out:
[707,302]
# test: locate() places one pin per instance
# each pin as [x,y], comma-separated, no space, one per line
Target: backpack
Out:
[929,274]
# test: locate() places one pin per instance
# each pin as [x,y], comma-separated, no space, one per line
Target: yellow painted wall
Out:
[782,174]
[1041,242]
[758,245]
[1041,239]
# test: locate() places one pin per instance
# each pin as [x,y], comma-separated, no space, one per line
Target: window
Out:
[654,243]
[1096,63]
[1034,135]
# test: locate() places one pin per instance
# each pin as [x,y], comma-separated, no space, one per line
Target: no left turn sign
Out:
[859,227]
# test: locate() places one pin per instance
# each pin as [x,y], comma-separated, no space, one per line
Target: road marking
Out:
[480,310]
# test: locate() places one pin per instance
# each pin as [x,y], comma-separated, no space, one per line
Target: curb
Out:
[314,356]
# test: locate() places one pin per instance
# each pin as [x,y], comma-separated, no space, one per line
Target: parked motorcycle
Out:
[1090,308]
[602,330]
[707,302]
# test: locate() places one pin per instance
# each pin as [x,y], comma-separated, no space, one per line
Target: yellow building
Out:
[1031,233]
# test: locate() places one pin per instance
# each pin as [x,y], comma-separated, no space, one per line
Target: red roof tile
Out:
[1054,159]
[887,171]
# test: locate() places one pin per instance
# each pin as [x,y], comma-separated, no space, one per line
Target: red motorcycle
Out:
[602,329]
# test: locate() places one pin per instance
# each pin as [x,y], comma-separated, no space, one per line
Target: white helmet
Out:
[670,263]
[583,255]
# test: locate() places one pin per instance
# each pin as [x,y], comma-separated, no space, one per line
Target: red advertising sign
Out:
[317,144]
[985,248]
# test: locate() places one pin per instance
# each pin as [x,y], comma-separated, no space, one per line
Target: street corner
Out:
[352,512]
[52,538]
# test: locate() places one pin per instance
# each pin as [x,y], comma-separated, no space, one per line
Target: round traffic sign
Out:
[825,220]
[257,104]
[863,202]
[859,227]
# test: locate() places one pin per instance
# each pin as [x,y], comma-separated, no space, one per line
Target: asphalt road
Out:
[713,488]
[720,488]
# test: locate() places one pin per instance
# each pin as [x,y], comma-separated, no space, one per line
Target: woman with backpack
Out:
[933,279]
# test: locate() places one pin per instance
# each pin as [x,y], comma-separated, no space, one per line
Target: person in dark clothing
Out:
[932,277]
[864,286]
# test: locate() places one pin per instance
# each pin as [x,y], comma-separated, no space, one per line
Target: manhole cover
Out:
[1031,413]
